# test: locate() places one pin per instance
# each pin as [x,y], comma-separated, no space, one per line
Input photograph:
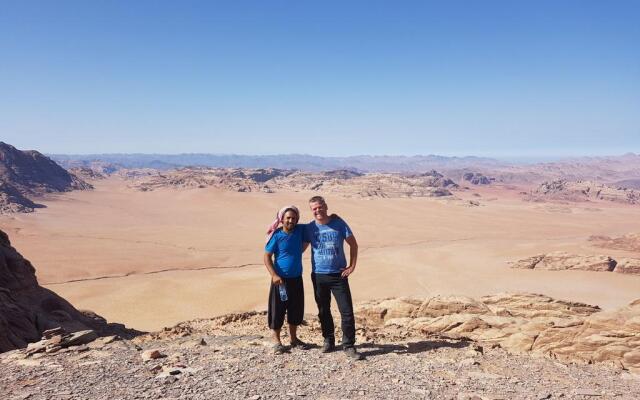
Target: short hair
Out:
[317,199]
[292,210]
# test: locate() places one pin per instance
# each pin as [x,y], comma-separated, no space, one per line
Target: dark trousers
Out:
[323,286]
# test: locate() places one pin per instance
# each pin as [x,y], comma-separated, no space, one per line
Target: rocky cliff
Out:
[571,191]
[25,175]
[27,309]
[345,182]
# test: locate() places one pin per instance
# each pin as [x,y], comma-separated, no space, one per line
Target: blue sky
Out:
[491,78]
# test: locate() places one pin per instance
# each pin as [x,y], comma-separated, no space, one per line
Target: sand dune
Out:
[151,259]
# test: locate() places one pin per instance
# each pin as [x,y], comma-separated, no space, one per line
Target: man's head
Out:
[319,209]
[290,219]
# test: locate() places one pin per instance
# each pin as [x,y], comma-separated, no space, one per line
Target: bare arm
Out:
[304,246]
[353,256]
[268,262]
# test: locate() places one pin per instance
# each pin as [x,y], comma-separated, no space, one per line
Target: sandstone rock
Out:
[345,182]
[444,305]
[80,337]
[559,260]
[49,333]
[527,323]
[476,178]
[25,174]
[572,191]
[628,266]
[152,354]
[29,311]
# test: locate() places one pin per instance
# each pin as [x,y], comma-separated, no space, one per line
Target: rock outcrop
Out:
[28,174]
[520,323]
[559,260]
[11,200]
[87,173]
[476,178]
[441,347]
[345,182]
[27,309]
[564,190]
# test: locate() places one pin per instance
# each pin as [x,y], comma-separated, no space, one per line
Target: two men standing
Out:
[330,272]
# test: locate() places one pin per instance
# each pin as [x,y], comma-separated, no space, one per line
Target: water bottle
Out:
[283,292]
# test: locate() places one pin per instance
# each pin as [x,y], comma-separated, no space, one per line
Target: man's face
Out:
[319,210]
[289,220]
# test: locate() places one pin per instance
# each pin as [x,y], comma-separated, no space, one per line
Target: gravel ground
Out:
[240,366]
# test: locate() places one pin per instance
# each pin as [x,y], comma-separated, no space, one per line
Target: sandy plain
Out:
[152,259]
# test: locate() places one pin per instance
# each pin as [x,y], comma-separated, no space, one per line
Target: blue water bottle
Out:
[283,292]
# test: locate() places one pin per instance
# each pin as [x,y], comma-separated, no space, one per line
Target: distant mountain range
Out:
[303,162]
[621,170]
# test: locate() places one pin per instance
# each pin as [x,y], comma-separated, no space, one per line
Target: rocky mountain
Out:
[27,309]
[572,191]
[345,182]
[25,175]
[615,171]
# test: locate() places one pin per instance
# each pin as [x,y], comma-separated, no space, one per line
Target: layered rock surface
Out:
[441,347]
[345,182]
[519,323]
[559,260]
[27,309]
[28,174]
[564,190]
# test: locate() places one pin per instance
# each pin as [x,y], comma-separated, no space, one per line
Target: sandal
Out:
[278,348]
[300,345]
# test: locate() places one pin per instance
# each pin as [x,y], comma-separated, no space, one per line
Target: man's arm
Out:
[268,262]
[353,256]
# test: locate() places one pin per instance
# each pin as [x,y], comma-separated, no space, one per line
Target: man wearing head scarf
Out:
[283,259]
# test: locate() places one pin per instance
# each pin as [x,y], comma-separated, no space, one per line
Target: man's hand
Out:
[276,280]
[348,271]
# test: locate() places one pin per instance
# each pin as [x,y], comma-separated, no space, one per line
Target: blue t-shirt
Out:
[287,249]
[327,250]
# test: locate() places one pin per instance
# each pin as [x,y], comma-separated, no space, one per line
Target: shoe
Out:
[328,346]
[278,348]
[352,353]
[299,344]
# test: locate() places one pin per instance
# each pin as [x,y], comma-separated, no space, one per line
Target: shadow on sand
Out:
[372,349]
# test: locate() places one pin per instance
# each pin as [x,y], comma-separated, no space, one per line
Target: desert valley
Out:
[153,247]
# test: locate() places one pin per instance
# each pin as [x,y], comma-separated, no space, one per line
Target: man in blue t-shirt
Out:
[330,271]
[283,259]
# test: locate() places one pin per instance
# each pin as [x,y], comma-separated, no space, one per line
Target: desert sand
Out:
[153,259]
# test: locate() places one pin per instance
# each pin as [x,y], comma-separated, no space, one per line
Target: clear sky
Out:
[491,78]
